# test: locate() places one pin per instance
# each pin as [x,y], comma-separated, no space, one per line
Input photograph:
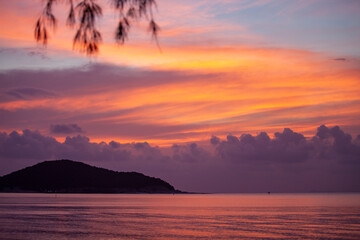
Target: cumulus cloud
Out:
[328,161]
[214,140]
[65,129]
[28,145]
[189,153]
[289,146]
[335,143]
[33,145]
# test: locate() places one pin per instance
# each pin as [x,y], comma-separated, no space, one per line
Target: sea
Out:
[180,216]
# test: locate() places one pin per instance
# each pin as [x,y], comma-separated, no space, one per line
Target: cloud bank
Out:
[328,161]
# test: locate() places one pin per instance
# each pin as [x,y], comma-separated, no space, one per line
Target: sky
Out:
[240,95]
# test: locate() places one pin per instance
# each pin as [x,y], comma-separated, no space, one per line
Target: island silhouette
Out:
[67,176]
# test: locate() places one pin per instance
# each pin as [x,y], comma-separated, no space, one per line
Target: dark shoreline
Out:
[67,176]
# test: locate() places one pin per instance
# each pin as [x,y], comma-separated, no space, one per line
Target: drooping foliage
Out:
[83,14]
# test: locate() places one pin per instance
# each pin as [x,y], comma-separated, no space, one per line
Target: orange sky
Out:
[222,86]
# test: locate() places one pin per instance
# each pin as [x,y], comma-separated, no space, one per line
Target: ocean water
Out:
[179,216]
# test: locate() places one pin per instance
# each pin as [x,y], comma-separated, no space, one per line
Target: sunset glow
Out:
[222,68]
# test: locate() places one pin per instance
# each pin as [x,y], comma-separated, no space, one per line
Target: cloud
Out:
[65,129]
[166,107]
[214,140]
[37,82]
[189,153]
[290,147]
[117,106]
[328,161]
[287,146]
[33,145]
[26,93]
[335,143]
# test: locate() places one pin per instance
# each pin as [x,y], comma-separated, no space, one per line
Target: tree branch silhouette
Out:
[84,14]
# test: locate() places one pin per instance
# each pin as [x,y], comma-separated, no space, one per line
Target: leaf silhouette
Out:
[85,13]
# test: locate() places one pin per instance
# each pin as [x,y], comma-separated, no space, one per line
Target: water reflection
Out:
[145,216]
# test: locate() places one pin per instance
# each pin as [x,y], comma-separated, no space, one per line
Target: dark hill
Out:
[67,176]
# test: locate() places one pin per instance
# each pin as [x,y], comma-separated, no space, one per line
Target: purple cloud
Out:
[30,82]
[65,129]
[286,147]
[335,143]
[289,146]
[214,140]
[328,161]
[25,93]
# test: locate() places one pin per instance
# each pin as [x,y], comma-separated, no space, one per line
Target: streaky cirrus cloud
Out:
[27,93]
[173,106]
[65,129]
[331,154]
